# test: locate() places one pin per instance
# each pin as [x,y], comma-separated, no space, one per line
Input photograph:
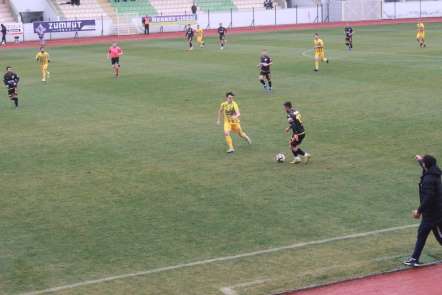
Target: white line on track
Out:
[231,289]
[219,259]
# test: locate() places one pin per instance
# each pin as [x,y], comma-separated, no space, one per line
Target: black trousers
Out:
[3,38]
[423,232]
[146,29]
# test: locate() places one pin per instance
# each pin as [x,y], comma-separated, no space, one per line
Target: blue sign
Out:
[42,28]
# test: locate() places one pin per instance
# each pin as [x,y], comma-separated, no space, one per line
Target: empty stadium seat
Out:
[172,7]
[87,9]
[248,4]
[5,13]
[215,5]
[139,7]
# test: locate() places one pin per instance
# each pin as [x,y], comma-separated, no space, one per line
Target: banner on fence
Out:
[42,28]
[14,31]
[173,20]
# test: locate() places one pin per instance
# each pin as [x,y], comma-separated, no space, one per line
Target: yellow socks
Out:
[229,141]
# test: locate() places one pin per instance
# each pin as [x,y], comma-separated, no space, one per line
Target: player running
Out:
[230,110]
[349,37]
[42,58]
[297,126]
[114,53]
[200,36]
[420,35]
[11,79]
[222,36]
[189,36]
[319,51]
[265,75]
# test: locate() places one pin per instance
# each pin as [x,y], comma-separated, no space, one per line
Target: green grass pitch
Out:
[102,177]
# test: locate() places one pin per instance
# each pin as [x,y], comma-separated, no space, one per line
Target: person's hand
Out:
[419,158]
[287,129]
[416,214]
[217,122]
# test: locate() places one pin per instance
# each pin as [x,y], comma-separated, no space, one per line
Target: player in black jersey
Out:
[11,79]
[189,36]
[222,35]
[265,74]
[297,126]
[348,37]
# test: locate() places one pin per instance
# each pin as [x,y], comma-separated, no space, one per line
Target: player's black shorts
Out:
[295,142]
[222,37]
[115,61]
[266,74]
[349,39]
[190,39]
[12,91]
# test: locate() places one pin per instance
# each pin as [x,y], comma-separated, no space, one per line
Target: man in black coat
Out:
[3,31]
[430,209]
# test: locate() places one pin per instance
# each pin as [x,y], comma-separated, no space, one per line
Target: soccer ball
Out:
[280,158]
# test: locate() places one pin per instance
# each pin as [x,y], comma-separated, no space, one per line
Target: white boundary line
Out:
[231,289]
[309,54]
[219,259]
[304,53]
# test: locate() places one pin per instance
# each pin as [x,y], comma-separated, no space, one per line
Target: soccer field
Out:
[102,177]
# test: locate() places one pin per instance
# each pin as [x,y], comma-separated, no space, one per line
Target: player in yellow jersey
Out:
[420,35]
[42,58]
[319,51]
[230,111]
[200,36]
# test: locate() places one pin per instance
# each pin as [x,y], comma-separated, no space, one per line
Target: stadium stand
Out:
[249,4]
[172,7]
[87,9]
[216,5]
[139,7]
[5,13]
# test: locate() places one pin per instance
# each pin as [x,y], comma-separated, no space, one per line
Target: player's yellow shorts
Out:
[420,35]
[44,67]
[319,55]
[232,127]
[200,39]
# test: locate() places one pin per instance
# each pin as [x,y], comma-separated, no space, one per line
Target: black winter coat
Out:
[430,193]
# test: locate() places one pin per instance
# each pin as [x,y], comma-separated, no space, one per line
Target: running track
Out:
[419,281]
[174,35]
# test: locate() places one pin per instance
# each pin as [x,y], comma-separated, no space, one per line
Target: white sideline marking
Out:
[219,259]
[228,291]
[231,289]
[304,53]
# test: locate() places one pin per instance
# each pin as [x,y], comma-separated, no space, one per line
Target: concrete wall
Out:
[412,9]
[260,17]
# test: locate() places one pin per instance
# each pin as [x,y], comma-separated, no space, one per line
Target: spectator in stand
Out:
[3,30]
[146,22]
[73,2]
[268,4]
[194,8]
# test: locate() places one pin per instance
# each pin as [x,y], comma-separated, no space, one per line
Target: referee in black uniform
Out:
[430,209]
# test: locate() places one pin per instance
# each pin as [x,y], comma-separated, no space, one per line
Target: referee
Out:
[430,209]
